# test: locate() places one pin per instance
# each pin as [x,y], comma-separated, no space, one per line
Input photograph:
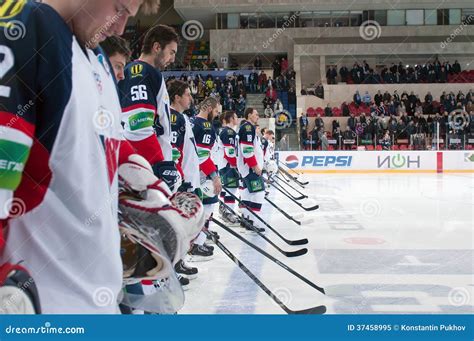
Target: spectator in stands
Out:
[337,135]
[378,98]
[240,106]
[367,99]
[278,107]
[328,111]
[319,122]
[335,125]
[284,65]
[213,64]
[392,125]
[387,97]
[257,63]
[276,68]
[303,120]
[345,109]
[351,122]
[324,141]
[331,75]
[262,81]
[268,112]
[291,96]
[348,135]
[253,82]
[428,98]
[401,129]
[456,67]
[344,73]
[386,141]
[357,99]
[319,91]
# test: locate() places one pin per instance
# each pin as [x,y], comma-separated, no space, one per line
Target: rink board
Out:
[378,161]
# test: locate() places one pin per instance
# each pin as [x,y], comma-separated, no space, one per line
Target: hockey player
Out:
[250,163]
[227,164]
[118,52]
[206,136]
[59,193]
[146,106]
[184,150]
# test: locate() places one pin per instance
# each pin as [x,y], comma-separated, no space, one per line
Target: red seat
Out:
[369,147]
[379,147]
[395,147]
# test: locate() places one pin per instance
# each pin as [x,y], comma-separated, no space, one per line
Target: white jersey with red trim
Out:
[62,150]
[250,149]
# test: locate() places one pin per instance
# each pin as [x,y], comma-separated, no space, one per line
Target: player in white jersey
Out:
[227,164]
[60,201]
[250,163]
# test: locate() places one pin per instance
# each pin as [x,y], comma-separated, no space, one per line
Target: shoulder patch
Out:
[248,127]
[136,70]
[11,8]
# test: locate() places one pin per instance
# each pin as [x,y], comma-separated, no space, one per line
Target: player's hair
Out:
[176,88]
[269,132]
[116,45]
[208,103]
[160,34]
[150,7]
[248,112]
[226,116]
[263,130]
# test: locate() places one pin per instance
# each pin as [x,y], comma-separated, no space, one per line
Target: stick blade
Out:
[298,242]
[319,310]
[313,208]
[296,253]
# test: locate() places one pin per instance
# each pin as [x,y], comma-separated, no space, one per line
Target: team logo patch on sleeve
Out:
[10,8]
[136,70]
[248,127]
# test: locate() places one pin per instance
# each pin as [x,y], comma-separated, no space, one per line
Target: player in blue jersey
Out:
[146,104]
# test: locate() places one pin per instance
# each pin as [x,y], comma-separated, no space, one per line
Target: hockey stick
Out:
[246,223]
[289,242]
[299,183]
[270,257]
[315,310]
[287,192]
[289,185]
[291,170]
[292,218]
[312,208]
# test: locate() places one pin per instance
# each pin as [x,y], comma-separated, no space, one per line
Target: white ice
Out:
[379,244]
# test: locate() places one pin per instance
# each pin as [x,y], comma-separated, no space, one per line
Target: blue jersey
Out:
[146,111]
[205,137]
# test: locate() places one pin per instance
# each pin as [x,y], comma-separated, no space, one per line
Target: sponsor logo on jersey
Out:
[136,70]
[248,127]
[141,120]
[206,124]
[292,161]
[10,8]
[398,161]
